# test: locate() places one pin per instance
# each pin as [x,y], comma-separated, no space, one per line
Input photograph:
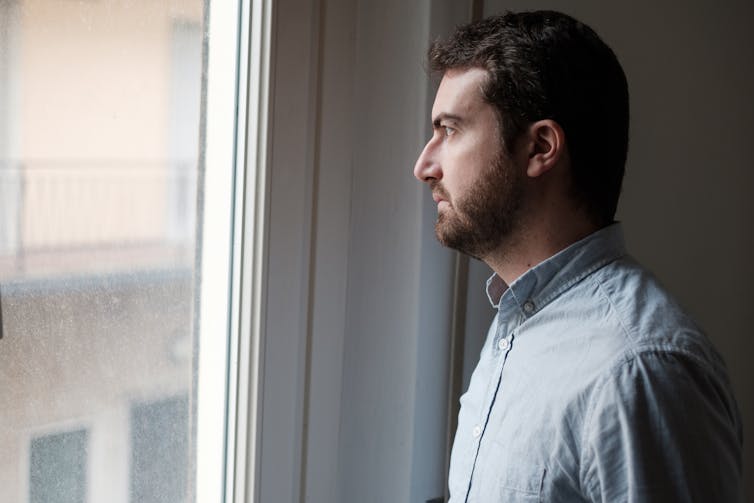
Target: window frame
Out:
[233,231]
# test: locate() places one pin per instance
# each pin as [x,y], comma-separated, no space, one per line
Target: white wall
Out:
[331,257]
[393,410]
[359,293]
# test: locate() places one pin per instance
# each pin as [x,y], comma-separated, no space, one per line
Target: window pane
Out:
[99,146]
[58,468]
[159,451]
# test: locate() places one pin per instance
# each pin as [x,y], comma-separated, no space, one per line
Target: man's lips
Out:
[438,192]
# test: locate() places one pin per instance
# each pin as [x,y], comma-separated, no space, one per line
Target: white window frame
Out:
[234,212]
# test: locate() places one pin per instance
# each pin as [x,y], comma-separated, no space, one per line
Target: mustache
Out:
[436,187]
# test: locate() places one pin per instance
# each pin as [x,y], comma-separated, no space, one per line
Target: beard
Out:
[481,220]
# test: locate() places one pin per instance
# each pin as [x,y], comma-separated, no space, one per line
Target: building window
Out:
[160,451]
[57,472]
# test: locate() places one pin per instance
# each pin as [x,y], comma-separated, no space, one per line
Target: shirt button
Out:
[502,344]
[528,307]
[477,431]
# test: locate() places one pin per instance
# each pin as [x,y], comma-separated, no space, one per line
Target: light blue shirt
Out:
[594,385]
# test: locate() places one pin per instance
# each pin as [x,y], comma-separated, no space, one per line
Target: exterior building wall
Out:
[80,354]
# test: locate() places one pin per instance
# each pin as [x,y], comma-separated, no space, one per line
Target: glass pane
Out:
[99,144]
[58,468]
[159,451]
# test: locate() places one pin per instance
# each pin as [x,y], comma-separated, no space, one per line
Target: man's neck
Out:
[535,244]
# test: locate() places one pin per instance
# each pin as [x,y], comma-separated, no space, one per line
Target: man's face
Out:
[477,187]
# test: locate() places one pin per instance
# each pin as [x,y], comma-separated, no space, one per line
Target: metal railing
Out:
[87,208]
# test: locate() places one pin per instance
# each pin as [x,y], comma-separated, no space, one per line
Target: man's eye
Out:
[448,130]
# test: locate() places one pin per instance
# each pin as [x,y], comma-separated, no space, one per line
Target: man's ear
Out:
[547,146]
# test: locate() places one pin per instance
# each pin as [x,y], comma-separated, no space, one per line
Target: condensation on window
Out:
[99,141]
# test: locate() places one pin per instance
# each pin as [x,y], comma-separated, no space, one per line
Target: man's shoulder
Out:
[641,305]
[642,315]
[612,319]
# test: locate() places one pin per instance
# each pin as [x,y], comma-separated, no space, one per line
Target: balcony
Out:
[72,218]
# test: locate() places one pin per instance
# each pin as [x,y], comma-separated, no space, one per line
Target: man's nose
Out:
[427,166]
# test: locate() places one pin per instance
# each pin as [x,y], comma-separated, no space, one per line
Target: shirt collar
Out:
[541,284]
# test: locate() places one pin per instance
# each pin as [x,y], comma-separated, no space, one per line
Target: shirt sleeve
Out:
[662,428]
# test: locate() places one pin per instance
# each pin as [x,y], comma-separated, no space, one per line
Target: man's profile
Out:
[593,384]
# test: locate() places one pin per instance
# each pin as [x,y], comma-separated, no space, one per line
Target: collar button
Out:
[528,307]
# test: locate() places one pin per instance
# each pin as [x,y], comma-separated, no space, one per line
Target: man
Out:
[593,385]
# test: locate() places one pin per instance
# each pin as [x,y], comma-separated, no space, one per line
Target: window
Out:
[57,468]
[159,451]
[119,177]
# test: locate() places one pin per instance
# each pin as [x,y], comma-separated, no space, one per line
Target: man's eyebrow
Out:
[445,117]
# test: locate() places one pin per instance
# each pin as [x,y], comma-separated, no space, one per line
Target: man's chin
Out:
[452,234]
[451,237]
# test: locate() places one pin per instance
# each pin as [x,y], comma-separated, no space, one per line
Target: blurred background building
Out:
[99,141]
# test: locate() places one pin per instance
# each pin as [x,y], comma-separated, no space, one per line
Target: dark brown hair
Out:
[547,65]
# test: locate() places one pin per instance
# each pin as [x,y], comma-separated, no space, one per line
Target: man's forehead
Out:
[460,92]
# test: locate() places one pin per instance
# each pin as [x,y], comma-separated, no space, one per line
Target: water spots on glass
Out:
[99,135]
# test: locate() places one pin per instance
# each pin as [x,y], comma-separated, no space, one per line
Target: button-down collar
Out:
[538,286]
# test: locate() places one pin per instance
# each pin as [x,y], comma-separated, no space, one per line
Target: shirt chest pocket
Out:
[515,483]
[521,483]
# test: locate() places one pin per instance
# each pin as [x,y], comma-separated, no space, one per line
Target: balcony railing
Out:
[73,216]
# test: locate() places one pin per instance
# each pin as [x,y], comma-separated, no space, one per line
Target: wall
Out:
[359,293]
[399,280]
[80,79]
[91,56]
